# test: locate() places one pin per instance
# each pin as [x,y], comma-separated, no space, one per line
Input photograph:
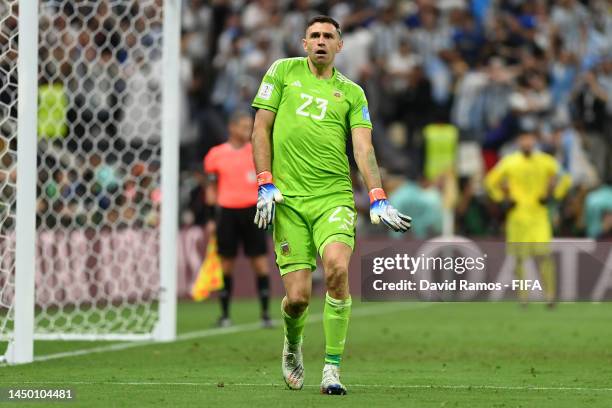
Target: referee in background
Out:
[232,187]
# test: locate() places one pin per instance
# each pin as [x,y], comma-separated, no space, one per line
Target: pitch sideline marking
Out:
[362,311]
[279,385]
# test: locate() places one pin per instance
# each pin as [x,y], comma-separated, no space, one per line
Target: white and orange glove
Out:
[381,210]
[267,197]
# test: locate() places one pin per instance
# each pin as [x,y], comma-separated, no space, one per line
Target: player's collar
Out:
[331,78]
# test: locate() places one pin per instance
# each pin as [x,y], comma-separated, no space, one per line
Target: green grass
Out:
[398,354]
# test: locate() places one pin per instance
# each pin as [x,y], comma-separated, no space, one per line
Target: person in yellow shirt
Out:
[525,182]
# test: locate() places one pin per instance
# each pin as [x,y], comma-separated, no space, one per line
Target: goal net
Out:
[8,161]
[99,170]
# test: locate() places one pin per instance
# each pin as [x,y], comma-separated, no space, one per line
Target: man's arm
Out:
[211,190]
[262,140]
[559,182]
[267,193]
[496,184]
[380,209]
[365,157]
[211,171]
[210,202]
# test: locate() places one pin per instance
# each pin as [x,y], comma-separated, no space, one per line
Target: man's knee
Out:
[336,274]
[297,301]
[260,265]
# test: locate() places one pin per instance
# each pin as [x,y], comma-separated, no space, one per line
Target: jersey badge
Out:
[365,113]
[265,91]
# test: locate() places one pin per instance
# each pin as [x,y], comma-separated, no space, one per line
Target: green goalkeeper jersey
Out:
[314,118]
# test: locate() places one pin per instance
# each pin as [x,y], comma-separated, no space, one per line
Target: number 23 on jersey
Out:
[321,107]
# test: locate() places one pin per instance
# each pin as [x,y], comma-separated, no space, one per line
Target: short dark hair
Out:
[237,115]
[324,19]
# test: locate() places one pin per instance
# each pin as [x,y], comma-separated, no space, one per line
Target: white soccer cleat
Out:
[331,384]
[293,366]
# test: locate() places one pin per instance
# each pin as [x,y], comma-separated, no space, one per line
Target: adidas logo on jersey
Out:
[297,83]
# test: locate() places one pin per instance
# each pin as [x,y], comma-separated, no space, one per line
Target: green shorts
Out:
[303,226]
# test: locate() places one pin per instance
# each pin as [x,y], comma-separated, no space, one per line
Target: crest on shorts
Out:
[285,248]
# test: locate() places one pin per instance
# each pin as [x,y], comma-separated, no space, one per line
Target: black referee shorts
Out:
[235,225]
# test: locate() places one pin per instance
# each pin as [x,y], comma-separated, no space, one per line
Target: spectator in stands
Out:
[570,21]
[596,204]
[421,198]
[487,65]
[467,36]
[566,144]
[606,227]
[387,31]
[294,24]
[594,108]
[472,213]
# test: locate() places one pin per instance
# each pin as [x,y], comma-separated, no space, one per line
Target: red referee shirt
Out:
[235,170]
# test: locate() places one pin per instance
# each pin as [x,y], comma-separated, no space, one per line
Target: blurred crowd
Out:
[99,105]
[458,76]
[449,84]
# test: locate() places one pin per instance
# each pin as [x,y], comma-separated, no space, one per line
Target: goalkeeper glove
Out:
[267,197]
[381,210]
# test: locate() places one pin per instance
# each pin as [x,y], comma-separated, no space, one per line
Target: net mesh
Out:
[8,160]
[98,188]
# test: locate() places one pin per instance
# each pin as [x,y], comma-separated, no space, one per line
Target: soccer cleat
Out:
[267,323]
[293,366]
[331,384]
[224,322]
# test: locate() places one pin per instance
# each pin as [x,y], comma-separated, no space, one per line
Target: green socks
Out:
[547,271]
[523,295]
[294,326]
[336,315]
[546,267]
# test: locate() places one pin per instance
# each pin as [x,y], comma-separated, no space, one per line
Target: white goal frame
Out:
[21,343]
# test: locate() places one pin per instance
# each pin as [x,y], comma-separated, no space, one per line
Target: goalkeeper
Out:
[525,183]
[306,112]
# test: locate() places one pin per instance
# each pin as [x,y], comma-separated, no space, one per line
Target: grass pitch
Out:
[398,354]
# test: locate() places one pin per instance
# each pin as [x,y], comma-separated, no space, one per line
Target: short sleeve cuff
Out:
[366,125]
[259,105]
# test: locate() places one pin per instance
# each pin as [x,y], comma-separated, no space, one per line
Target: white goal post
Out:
[89,134]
